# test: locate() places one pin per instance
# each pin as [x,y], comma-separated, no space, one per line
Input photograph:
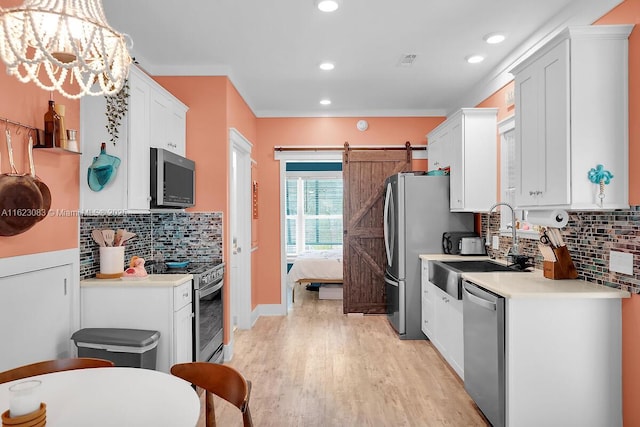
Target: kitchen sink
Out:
[476,266]
[447,275]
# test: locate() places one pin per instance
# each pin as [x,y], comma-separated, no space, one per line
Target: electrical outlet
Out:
[495,242]
[622,262]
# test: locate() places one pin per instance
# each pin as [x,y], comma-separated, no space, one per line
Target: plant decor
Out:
[117,106]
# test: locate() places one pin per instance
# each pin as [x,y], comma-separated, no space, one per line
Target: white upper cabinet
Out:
[143,126]
[129,188]
[571,116]
[439,156]
[467,143]
[169,118]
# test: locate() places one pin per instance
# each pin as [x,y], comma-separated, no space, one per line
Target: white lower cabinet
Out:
[428,310]
[163,308]
[442,322]
[447,321]
[182,324]
[37,311]
[563,355]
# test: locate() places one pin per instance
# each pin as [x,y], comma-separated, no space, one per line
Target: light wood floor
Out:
[319,367]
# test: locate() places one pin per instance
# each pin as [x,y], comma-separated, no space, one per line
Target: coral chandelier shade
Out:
[51,42]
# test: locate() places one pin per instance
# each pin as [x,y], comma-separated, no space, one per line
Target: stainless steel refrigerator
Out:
[416,213]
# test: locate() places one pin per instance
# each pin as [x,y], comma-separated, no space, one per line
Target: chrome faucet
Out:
[514,235]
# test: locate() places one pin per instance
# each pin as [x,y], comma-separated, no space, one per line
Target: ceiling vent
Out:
[407,59]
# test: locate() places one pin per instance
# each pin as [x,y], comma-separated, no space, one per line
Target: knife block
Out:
[563,268]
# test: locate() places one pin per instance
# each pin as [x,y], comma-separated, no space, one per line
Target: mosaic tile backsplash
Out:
[180,236]
[589,236]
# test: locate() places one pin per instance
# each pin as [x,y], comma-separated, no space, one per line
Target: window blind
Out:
[313,213]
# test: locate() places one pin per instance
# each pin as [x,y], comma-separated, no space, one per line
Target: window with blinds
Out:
[508,176]
[313,211]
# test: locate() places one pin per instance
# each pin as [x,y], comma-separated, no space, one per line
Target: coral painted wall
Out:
[240,116]
[630,357]
[206,135]
[214,106]
[498,100]
[310,132]
[26,103]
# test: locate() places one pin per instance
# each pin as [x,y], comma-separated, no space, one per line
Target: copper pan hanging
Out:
[44,189]
[21,204]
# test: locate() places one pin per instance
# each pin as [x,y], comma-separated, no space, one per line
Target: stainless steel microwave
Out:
[173,180]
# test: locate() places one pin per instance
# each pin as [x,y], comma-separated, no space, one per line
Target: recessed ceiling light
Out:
[327,5]
[325,101]
[327,66]
[474,59]
[494,38]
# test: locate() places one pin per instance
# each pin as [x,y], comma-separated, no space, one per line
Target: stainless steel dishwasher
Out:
[484,352]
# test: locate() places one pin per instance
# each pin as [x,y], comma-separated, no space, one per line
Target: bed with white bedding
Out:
[316,267]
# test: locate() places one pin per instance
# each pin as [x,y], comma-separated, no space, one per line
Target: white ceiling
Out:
[270,49]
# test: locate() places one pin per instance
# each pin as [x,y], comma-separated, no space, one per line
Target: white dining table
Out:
[109,397]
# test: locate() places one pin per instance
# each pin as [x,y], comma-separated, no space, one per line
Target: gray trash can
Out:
[135,348]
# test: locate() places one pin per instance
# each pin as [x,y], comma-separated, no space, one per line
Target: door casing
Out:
[239,249]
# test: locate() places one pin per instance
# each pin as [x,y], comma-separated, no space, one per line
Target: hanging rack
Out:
[351,147]
[12,122]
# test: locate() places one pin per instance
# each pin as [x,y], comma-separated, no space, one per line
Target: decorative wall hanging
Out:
[116,108]
[602,177]
[255,199]
[103,169]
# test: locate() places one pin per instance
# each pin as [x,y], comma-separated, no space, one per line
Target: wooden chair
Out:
[49,366]
[221,380]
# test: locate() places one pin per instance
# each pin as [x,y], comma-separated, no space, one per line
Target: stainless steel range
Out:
[208,278]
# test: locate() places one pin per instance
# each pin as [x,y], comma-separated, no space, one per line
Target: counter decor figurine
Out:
[136,269]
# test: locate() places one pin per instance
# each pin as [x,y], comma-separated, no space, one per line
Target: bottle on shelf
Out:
[61,129]
[51,122]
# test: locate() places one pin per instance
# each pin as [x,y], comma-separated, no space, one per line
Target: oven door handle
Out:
[209,291]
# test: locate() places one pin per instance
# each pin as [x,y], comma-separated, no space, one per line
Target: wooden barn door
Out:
[364,173]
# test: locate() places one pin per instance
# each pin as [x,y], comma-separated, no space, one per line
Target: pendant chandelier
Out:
[50,42]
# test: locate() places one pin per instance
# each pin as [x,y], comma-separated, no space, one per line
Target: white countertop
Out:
[447,257]
[152,280]
[531,284]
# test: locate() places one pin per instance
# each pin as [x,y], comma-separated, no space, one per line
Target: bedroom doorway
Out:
[288,246]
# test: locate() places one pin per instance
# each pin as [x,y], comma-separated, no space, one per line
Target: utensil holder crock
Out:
[111,259]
